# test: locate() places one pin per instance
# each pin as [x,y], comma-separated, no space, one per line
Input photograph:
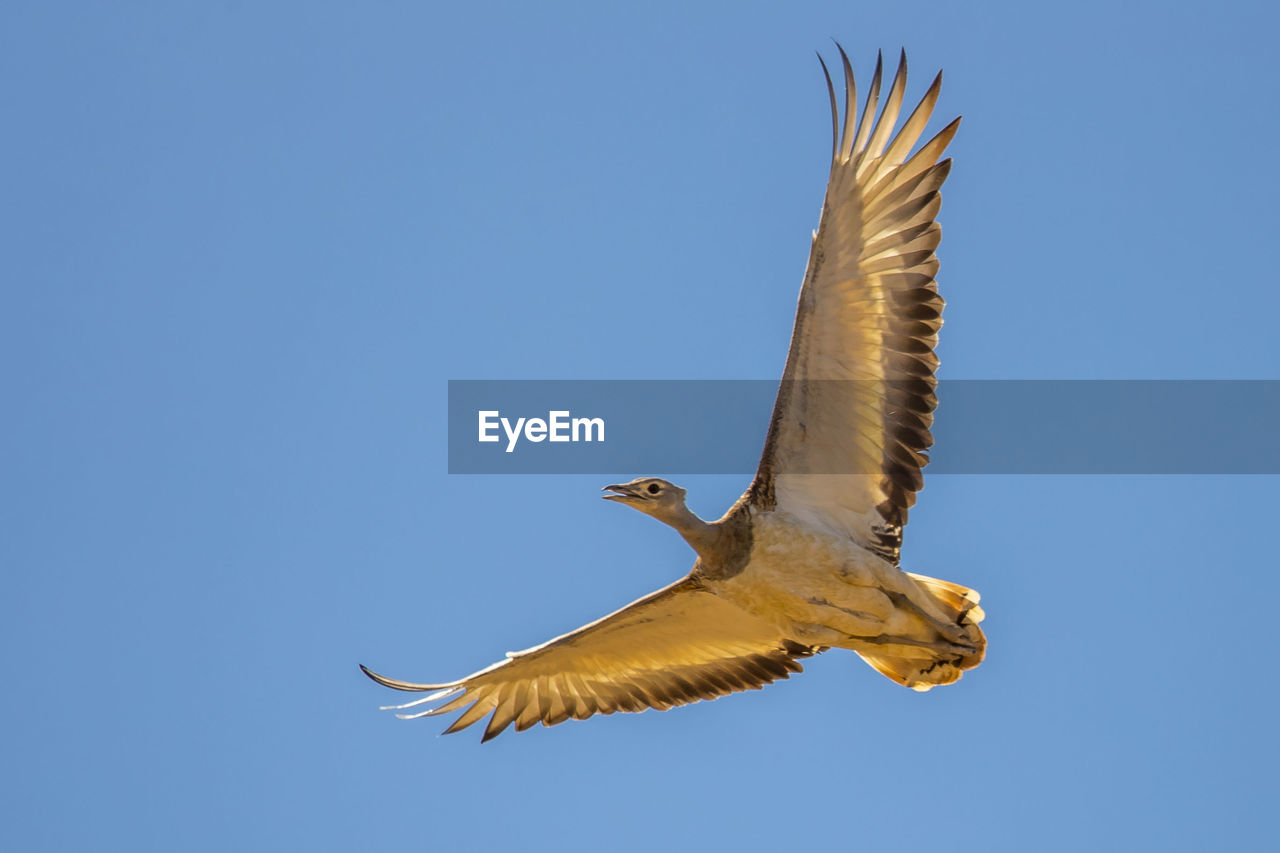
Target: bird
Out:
[807,559]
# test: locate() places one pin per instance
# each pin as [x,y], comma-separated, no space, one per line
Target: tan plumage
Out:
[807,558]
[857,397]
[672,647]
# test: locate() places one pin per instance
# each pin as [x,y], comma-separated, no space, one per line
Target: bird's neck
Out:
[700,535]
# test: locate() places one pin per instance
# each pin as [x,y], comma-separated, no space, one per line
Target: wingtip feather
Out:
[408,686]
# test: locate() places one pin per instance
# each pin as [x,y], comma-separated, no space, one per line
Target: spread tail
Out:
[959,605]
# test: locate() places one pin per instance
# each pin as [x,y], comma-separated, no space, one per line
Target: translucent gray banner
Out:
[981,427]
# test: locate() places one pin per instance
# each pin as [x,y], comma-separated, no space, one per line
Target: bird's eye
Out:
[654,488]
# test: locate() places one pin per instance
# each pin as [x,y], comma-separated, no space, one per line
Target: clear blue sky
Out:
[246,245]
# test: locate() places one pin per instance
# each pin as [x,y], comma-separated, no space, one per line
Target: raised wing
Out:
[854,410]
[672,647]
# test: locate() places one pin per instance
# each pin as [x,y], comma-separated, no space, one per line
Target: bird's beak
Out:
[622,493]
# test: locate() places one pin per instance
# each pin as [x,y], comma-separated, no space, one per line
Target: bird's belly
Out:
[815,586]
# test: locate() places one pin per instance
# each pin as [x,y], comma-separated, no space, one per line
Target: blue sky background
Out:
[246,245]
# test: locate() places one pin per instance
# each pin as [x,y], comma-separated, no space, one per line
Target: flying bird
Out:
[807,558]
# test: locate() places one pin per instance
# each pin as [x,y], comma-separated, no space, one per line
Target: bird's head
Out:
[652,496]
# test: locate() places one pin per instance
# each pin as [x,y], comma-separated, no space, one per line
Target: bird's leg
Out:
[900,593]
[953,633]
[853,611]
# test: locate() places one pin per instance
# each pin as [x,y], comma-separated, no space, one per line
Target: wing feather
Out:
[911,130]
[853,418]
[678,645]
[868,112]
[870,158]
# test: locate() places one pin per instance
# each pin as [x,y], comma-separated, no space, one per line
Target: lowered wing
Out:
[672,647]
[855,406]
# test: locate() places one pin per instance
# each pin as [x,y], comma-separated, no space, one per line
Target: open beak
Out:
[621,493]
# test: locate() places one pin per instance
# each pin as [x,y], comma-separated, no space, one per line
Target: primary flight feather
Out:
[807,559]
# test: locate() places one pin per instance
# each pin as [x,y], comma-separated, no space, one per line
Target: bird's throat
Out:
[701,536]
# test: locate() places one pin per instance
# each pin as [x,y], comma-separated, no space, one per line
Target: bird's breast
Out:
[794,570]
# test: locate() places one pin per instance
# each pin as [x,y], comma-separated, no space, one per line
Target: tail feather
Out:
[953,597]
[960,605]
